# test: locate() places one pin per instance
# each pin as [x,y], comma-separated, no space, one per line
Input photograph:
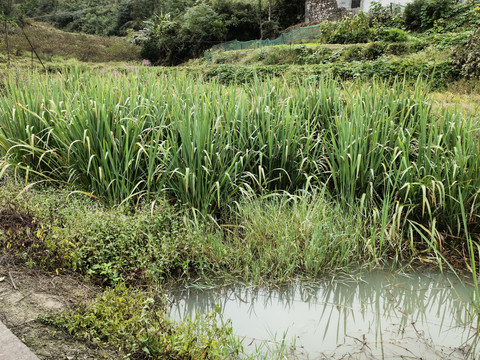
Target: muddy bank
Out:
[40,293]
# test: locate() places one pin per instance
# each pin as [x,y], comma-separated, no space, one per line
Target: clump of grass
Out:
[283,236]
[269,240]
[136,323]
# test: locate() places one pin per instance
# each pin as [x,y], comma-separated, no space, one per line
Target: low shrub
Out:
[467,58]
[352,53]
[447,40]
[390,35]
[373,50]
[137,324]
[352,30]
[398,49]
[444,71]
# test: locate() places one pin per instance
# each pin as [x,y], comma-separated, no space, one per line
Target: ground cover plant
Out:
[137,324]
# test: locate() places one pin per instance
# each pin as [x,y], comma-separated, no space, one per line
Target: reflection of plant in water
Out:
[414,305]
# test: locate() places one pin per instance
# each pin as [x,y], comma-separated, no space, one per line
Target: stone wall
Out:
[319,10]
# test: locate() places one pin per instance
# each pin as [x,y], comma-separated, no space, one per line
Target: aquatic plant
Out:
[378,148]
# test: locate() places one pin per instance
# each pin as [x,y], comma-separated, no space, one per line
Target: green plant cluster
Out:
[172,40]
[441,15]
[270,240]
[140,245]
[136,323]
[442,41]
[467,58]
[360,28]
[371,51]
[439,73]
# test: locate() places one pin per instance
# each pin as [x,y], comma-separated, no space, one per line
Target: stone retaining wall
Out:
[319,10]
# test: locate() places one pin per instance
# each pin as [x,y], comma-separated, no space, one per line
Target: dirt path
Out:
[40,293]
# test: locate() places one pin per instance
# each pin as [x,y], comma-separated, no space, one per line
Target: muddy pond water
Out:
[378,315]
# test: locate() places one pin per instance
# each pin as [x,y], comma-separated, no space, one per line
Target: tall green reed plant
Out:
[126,136]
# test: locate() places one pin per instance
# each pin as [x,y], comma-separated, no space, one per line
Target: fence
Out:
[291,37]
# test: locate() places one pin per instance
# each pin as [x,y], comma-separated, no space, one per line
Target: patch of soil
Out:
[41,293]
[12,220]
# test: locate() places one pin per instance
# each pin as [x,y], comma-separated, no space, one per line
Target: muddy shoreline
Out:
[37,293]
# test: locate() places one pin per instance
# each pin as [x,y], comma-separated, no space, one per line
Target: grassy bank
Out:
[266,241]
[53,45]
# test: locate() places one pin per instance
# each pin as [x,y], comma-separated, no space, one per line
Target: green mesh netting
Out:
[291,37]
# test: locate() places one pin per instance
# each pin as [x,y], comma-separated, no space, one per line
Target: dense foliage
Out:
[205,144]
[173,40]
[441,15]
[137,323]
[468,56]
[240,19]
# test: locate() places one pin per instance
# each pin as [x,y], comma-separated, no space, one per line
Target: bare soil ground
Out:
[40,293]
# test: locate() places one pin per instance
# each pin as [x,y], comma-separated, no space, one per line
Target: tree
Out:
[239,18]
[6,15]
[171,40]
[202,24]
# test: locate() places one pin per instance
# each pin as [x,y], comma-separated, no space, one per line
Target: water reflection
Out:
[382,315]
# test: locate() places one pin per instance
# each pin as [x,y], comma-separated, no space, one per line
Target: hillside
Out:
[55,45]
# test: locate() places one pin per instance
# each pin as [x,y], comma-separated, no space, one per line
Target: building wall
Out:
[366,3]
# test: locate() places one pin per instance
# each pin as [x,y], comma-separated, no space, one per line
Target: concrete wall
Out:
[366,3]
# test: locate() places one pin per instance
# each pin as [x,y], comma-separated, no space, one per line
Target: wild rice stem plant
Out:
[124,136]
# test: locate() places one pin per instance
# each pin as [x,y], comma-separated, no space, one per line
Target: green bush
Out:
[373,50]
[441,15]
[170,41]
[467,58]
[137,324]
[398,49]
[391,35]
[352,30]
[385,16]
[352,53]
[421,15]
[359,29]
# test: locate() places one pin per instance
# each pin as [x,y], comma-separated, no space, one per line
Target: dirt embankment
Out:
[25,294]
[39,293]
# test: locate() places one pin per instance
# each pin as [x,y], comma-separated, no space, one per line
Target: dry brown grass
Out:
[462,95]
[50,42]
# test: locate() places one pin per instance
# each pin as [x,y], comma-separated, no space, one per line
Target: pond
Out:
[378,315]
